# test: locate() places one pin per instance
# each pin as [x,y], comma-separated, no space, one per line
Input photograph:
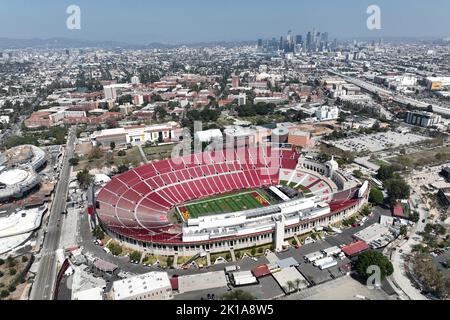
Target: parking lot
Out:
[377,141]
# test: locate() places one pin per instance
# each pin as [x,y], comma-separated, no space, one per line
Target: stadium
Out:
[18,168]
[221,200]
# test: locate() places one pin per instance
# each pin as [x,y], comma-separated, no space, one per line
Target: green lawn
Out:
[224,204]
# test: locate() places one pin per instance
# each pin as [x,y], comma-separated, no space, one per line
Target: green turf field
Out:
[223,204]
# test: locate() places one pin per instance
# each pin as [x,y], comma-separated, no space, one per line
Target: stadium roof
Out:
[12,177]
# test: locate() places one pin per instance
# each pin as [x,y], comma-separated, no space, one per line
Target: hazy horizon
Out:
[175,22]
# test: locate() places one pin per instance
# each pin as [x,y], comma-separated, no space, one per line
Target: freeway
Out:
[44,283]
[396,97]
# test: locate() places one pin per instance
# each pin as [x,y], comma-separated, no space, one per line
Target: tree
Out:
[11,262]
[358,174]
[169,261]
[376,196]
[403,230]
[121,153]
[84,178]
[115,248]
[111,123]
[373,258]
[95,153]
[98,233]
[74,161]
[238,295]
[366,210]
[397,188]
[160,113]
[4,293]
[385,172]
[122,168]
[135,256]
[414,216]
[112,145]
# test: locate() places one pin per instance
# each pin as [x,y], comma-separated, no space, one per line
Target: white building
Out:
[208,135]
[135,135]
[135,80]
[325,113]
[242,99]
[149,286]
[110,92]
[4,119]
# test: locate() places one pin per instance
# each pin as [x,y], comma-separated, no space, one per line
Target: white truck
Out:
[323,261]
[328,265]
[242,278]
[314,256]
[231,269]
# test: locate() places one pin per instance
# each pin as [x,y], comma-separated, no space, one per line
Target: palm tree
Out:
[297,283]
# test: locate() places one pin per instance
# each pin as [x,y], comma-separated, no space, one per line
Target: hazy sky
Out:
[181,21]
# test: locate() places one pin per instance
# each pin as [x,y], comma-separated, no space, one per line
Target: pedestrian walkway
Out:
[233,256]
[143,153]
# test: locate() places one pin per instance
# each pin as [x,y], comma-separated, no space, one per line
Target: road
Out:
[246,264]
[401,250]
[45,279]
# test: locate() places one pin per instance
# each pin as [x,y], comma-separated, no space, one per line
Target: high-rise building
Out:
[298,39]
[110,92]
[260,43]
[235,81]
[309,40]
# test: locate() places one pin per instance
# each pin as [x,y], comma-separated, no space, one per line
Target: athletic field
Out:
[224,204]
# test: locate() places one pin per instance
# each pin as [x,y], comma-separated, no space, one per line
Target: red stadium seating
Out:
[137,203]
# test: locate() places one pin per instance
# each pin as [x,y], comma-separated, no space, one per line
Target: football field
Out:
[224,204]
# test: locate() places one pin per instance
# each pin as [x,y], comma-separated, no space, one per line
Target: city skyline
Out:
[200,21]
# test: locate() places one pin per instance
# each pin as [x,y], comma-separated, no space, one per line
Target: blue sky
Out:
[182,21]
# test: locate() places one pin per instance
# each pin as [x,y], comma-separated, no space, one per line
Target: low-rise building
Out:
[149,286]
[422,118]
[444,197]
[299,138]
[325,113]
[135,135]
